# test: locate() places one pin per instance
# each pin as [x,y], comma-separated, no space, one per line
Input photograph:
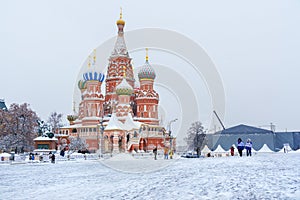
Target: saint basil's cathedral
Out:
[125,119]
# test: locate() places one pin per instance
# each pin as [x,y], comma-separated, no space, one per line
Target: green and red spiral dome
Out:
[146,72]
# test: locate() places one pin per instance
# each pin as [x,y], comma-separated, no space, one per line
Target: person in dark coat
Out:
[155,153]
[53,158]
[62,152]
[240,146]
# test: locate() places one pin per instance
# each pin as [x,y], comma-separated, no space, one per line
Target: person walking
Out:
[155,153]
[166,153]
[240,146]
[171,154]
[248,147]
[53,158]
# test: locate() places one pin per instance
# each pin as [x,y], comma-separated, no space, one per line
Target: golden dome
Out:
[121,21]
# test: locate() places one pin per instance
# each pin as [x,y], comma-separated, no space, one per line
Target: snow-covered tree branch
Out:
[18,127]
[55,121]
[77,143]
[196,137]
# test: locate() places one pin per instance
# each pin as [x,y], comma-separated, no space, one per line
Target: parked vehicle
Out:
[190,154]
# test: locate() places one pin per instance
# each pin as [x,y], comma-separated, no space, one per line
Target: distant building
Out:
[274,140]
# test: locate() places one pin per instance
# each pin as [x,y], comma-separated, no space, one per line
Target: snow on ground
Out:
[127,163]
[263,176]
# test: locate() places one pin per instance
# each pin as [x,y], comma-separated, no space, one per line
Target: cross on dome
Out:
[121,21]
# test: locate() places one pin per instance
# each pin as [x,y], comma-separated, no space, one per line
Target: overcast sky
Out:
[254,45]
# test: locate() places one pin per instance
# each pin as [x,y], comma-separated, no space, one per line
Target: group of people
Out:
[167,153]
[32,156]
[241,146]
[35,156]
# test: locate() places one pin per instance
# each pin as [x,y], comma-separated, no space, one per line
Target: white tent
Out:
[205,150]
[220,152]
[283,150]
[297,151]
[265,149]
[253,150]
[219,149]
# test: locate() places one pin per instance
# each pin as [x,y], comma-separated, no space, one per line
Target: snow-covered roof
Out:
[72,126]
[41,138]
[91,118]
[44,150]
[132,124]
[114,123]
[144,118]
[245,129]
[60,135]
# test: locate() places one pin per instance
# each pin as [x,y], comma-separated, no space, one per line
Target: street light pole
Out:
[170,132]
[101,137]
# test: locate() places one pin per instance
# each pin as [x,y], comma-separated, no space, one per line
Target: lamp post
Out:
[101,138]
[170,132]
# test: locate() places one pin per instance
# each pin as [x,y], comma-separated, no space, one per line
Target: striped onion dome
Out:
[81,84]
[93,76]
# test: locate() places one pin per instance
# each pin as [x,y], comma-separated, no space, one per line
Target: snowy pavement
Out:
[264,176]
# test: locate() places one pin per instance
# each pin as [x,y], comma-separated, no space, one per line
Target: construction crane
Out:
[219,120]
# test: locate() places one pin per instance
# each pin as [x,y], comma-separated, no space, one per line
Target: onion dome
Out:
[81,84]
[121,21]
[93,76]
[72,118]
[124,88]
[146,71]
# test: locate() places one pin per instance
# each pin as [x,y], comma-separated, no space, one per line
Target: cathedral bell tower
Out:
[91,105]
[119,67]
[146,97]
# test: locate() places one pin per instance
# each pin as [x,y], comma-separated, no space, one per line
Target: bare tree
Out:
[77,143]
[18,127]
[55,121]
[196,137]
